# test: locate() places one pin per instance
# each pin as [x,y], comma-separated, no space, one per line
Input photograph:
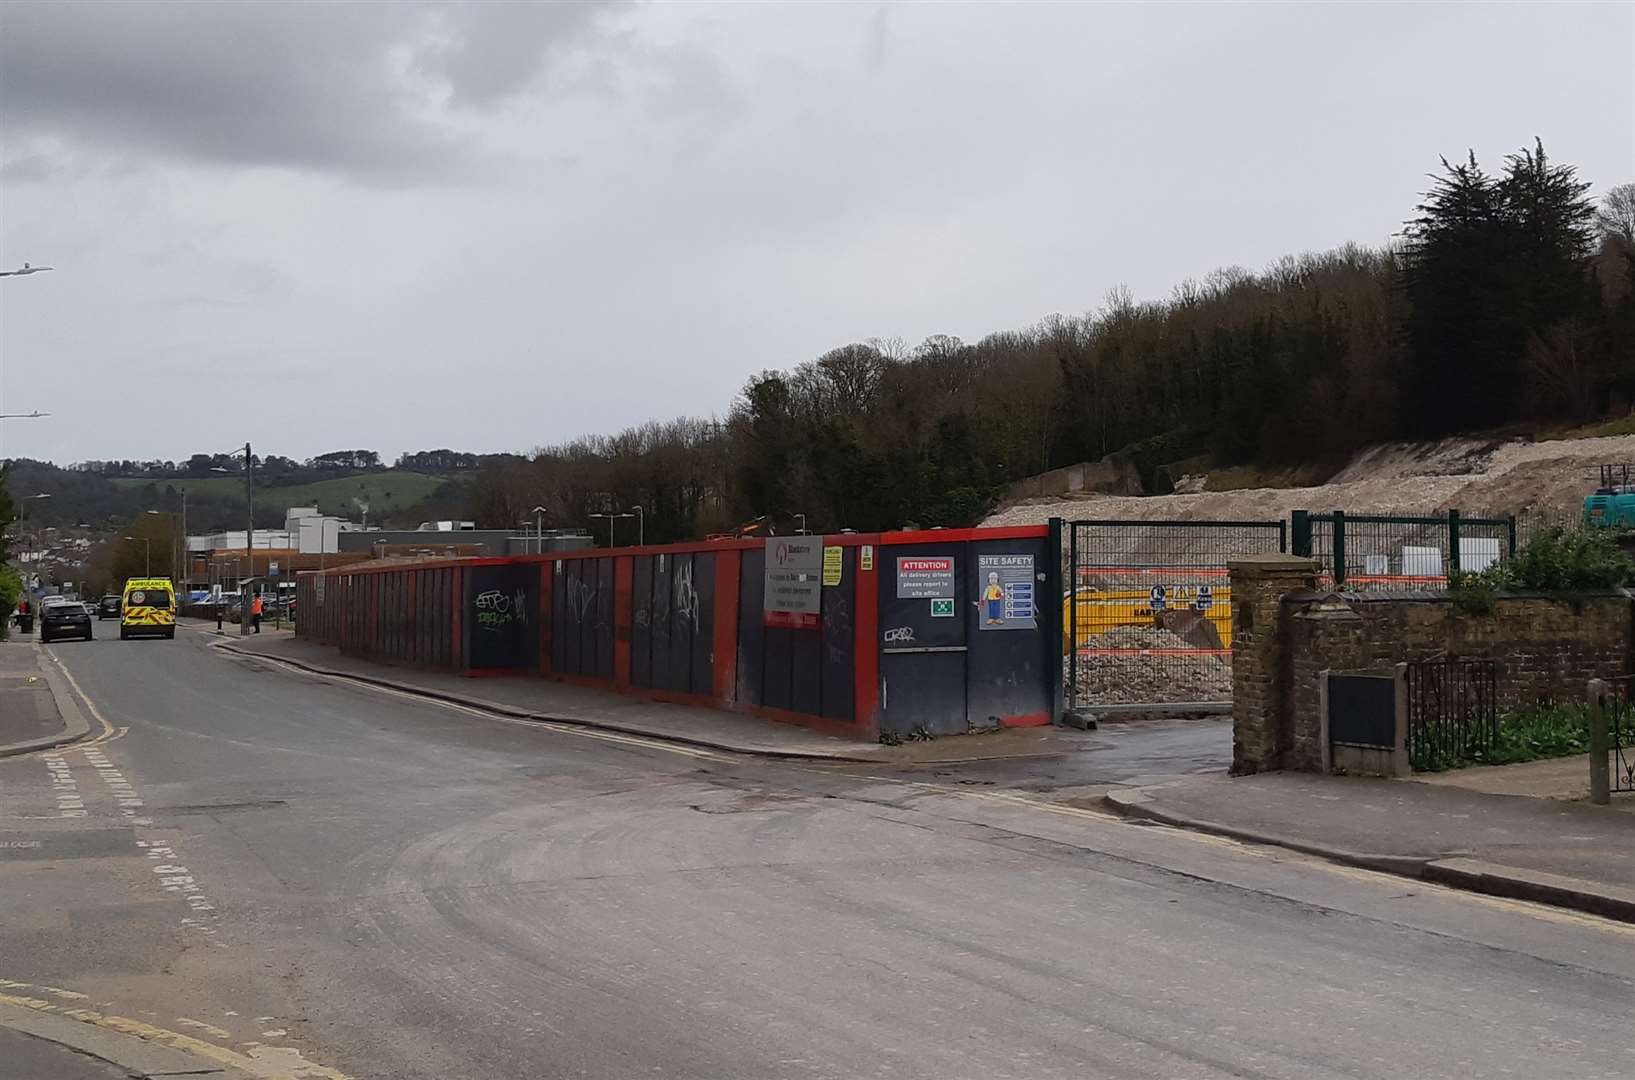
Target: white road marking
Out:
[124,793]
[70,804]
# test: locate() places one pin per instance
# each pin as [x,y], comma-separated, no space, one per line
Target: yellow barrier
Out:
[1099,611]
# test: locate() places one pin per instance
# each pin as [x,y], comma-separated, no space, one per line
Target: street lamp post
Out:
[22,520]
[147,553]
[611,518]
[539,530]
[802,523]
[641,525]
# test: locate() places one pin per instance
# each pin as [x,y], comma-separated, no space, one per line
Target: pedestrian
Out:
[255,613]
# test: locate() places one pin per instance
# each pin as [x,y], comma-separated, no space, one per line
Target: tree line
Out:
[276,469]
[1506,299]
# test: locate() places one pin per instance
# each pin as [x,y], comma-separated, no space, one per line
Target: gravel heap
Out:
[1478,477]
[1147,679]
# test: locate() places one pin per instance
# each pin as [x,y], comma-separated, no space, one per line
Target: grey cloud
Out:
[352,89]
[28,169]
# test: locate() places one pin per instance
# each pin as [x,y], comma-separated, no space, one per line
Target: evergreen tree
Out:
[8,514]
[1464,355]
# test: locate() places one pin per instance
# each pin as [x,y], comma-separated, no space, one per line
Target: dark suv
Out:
[108,607]
[62,618]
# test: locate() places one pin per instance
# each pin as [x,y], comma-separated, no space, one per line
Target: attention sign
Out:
[925,577]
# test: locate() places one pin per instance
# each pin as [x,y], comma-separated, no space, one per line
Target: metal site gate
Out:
[1149,609]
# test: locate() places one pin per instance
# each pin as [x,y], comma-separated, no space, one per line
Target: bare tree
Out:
[1615,216]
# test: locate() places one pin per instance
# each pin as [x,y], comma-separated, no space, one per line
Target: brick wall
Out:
[1545,649]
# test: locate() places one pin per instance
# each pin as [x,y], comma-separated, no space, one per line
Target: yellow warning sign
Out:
[834,564]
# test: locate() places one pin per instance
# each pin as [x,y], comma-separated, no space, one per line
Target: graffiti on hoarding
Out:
[685,606]
[496,611]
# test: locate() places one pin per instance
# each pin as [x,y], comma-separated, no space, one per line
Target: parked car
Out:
[108,607]
[61,618]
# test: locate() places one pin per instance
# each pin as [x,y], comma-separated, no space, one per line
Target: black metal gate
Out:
[1621,736]
[1453,712]
[1149,609]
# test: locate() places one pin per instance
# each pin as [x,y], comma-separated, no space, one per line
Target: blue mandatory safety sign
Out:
[1158,597]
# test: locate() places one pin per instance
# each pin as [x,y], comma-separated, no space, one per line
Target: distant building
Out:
[460,538]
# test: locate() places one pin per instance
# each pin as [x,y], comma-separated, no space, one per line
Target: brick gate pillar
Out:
[1260,679]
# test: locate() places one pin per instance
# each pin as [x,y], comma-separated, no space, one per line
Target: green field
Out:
[385,492]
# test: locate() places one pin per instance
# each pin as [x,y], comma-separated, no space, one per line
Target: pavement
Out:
[35,710]
[328,879]
[526,697]
[1567,853]
[40,1042]
[1564,778]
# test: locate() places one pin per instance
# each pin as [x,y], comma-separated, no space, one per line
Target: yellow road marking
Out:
[264,1063]
[96,714]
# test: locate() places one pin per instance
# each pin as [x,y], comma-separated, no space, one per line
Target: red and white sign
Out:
[925,577]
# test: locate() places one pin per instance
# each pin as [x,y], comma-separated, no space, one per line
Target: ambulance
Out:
[147,609]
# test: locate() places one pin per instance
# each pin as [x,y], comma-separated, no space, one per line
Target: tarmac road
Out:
[392,888]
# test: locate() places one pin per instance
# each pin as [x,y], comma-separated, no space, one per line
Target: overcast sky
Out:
[495,226]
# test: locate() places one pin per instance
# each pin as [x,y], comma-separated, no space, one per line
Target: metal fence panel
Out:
[1372,552]
[1148,608]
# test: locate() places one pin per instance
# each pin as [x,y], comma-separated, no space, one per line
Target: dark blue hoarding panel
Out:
[641,621]
[501,617]
[701,679]
[1008,675]
[683,622]
[922,628]
[663,584]
[838,662]
[604,620]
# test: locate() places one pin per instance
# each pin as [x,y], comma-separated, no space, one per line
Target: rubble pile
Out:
[1165,669]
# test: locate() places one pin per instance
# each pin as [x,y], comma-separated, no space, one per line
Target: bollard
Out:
[1599,779]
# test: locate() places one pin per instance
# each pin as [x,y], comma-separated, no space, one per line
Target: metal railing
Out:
[1619,712]
[1453,711]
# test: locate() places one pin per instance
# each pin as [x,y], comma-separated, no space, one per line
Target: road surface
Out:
[284,865]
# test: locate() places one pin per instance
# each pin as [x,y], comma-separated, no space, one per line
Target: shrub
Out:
[1578,560]
[11,587]
[1555,561]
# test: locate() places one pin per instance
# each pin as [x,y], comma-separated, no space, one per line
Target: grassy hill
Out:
[386,492]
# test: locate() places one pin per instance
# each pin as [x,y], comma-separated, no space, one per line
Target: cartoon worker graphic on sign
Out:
[993,599]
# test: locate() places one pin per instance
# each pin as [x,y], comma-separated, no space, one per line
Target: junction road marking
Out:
[70,804]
